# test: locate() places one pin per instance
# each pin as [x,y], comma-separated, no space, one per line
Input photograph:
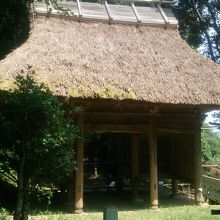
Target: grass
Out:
[172,213]
[179,208]
[170,209]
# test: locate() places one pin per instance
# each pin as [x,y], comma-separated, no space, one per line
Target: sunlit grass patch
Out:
[185,212]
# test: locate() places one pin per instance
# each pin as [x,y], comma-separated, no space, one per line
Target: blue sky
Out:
[209,118]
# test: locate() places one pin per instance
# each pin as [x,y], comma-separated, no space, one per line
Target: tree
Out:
[14,24]
[210,147]
[36,138]
[199,24]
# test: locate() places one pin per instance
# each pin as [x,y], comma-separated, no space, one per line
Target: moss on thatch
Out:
[110,92]
[7,84]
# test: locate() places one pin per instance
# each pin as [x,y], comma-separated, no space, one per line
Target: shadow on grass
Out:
[96,201]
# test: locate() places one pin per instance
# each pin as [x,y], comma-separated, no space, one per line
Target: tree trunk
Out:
[20,193]
[25,208]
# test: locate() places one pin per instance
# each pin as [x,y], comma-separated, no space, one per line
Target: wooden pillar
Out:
[174,187]
[135,167]
[197,160]
[79,171]
[119,181]
[173,158]
[153,163]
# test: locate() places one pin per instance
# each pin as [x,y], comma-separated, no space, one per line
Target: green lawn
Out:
[180,208]
[185,212]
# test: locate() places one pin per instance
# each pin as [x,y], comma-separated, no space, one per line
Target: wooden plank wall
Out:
[163,154]
[183,157]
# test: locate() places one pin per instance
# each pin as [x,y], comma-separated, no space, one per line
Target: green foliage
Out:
[188,23]
[3,214]
[32,122]
[36,139]
[199,25]
[14,24]
[42,194]
[210,147]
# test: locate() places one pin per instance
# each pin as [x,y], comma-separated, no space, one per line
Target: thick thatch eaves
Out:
[97,60]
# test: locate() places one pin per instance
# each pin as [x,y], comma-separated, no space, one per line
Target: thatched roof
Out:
[97,60]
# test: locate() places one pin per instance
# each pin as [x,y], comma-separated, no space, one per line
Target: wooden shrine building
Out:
[129,71]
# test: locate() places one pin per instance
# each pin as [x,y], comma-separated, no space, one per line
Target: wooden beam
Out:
[80,171]
[132,128]
[174,131]
[143,105]
[100,128]
[197,161]
[135,167]
[153,163]
[141,114]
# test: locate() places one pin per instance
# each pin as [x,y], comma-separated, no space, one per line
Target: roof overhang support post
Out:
[197,160]
[79,8]
[173,174]
[135,173]
[135,12]
[153,163]
[120,149]
[80,169]
[174,188]
[108,11]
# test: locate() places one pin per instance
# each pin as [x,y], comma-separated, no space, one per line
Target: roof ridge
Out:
[111,13]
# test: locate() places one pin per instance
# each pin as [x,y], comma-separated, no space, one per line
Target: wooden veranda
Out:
[181,123]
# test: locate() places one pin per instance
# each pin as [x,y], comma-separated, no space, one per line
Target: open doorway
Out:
[107,162]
